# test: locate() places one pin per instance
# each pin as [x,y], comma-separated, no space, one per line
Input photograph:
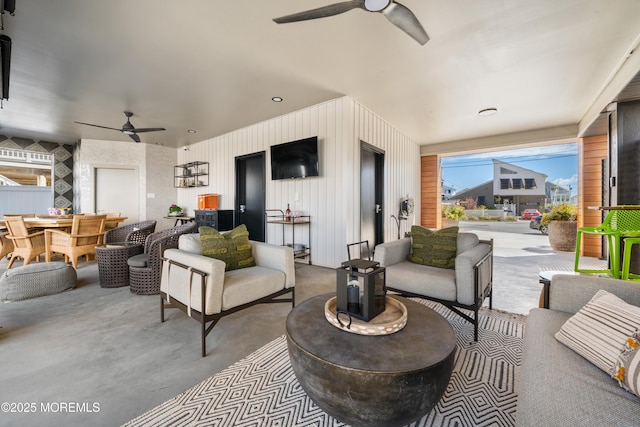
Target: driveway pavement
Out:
[520,253]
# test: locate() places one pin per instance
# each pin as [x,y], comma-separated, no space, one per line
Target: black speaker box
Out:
[5,65]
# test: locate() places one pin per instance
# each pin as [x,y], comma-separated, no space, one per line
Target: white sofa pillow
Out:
[599,330]
[628,366]
[190,243]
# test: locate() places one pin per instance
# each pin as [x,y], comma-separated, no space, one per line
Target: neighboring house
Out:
[556,194]
[27,181]
[448,192]
[513,186]
[483,194]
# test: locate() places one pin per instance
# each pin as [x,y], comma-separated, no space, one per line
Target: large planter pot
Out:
[562,235]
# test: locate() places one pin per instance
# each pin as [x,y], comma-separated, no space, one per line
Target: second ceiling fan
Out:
[399,15]
[127,128]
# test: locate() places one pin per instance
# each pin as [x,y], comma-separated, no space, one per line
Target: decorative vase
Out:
[562,235]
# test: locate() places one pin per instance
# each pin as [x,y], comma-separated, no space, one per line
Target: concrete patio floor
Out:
[520,254]
[93,345]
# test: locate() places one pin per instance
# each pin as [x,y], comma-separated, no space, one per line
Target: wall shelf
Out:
[192,174]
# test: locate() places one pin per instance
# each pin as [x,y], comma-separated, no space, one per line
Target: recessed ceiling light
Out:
[277,99]
[191,131]
[488,111]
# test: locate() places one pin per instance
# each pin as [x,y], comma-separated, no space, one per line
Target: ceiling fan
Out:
[399,15]
[127,128]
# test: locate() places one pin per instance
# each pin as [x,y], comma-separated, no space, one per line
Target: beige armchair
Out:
[464,287]
[86,233]
[200,286]
[26,245]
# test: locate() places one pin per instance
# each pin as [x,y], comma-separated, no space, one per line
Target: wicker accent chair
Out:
[145,269]
[26,245]
[137,232]
[86,233]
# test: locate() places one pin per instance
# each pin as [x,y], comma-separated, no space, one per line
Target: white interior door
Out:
[117,191]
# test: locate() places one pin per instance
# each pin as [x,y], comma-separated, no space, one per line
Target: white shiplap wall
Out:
[332,199]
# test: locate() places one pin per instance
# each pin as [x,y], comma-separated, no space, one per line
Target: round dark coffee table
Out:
[371,380]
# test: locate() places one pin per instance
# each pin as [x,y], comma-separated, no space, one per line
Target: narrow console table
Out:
[299,250]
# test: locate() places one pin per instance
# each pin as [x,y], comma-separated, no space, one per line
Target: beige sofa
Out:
[557,386]
[187,276]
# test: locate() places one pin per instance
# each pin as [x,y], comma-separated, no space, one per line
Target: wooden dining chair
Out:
[86,233]
[27,244]
[112,225]
[6,245]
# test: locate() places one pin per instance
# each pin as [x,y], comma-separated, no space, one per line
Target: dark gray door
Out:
[371,196]
[250,194]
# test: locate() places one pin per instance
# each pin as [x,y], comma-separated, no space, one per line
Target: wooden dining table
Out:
[616,208]
[64,221]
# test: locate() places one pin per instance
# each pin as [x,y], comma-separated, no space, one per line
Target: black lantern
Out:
[361,287]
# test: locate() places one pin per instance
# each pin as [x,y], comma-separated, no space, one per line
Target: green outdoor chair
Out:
[626,259]
[617,225]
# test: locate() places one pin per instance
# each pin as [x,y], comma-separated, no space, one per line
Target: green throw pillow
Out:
[231,247]
[434,248]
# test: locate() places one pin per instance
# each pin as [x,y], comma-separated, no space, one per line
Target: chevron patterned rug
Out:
[262,390]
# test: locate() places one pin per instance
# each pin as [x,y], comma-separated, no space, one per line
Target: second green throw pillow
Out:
[434,248]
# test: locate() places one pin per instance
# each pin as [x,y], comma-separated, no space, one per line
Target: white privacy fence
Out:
[487,213]
[25,199]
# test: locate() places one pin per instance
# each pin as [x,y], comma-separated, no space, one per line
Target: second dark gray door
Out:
[371,196]
[250,194]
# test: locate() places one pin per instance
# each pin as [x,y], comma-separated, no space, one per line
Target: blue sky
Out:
[559,162]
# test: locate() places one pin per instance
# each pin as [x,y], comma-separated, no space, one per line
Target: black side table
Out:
[545,278]
[112,262]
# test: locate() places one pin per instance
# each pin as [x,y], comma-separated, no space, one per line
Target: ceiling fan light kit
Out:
[396,13]
[127,128]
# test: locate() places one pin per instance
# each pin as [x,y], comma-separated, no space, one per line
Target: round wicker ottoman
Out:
[112,262]
[36,280]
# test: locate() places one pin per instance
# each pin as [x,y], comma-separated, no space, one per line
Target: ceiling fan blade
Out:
[403,18]
[98,126]
[321,12]
[133,136]
[140,130]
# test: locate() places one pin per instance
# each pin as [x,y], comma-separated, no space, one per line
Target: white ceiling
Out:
[213,66]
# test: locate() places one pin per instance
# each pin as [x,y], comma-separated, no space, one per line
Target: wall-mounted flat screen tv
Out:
[296,159]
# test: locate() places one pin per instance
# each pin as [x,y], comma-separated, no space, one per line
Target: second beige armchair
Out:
[86,233]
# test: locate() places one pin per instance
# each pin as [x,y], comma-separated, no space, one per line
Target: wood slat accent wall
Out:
[333,198]
[592,151]
[431,191]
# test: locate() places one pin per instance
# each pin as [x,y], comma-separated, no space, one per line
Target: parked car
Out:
[535,224]
[528,213]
